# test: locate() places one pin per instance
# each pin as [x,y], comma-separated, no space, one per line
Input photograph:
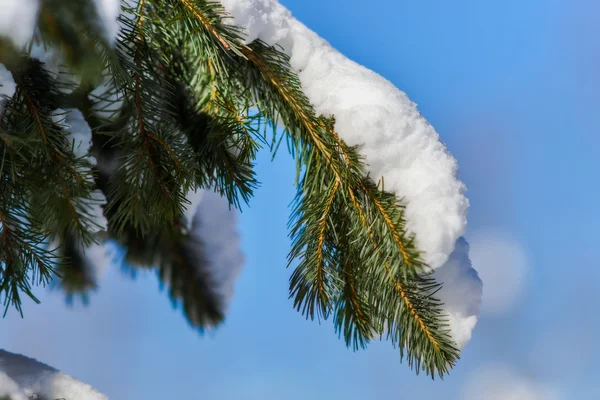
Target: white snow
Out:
[80,133]
[108,11]
[215,226]
[54,64]
[7,86]
[18,19]
[214,239]
[461,292]
[397,142]
[107,100]
[80,136]
[262,19]
[190,210]
[23,378]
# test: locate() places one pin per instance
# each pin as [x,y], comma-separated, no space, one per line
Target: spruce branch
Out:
[333,170]
[191,101]
[32,118]
[211,111]
[435,352]
[26,261]
[385,211]
[353,311]
[157,168]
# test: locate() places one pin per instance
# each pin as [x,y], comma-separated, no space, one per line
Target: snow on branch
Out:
[400,147]
[23,378]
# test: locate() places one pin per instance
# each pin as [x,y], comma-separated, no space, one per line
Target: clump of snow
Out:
[7,86]
[195,198]
[262,19]
[214,225]
[18,19]
[398,144]
[80,133]
[10,389]
[108,11]
[80,136]
[7,83]
[24,378]
[214,243]
[460,293]
[106,99]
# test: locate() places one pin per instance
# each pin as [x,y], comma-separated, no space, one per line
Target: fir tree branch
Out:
[353,315]
[321,238]
[194,100]
[446,354]
[23,255]
[32,111]
[278,94]
[411,264]
[206,22]
[157,168]
[315,283]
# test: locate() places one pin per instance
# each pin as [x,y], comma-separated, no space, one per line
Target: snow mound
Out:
[215,226]
[18,19]
[461,292]
[24,378]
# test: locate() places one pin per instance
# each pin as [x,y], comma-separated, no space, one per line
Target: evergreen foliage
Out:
[185,104]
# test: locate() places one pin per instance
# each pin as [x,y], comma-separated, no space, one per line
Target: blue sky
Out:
[513,88]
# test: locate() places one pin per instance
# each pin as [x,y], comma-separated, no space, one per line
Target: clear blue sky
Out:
[513,88]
